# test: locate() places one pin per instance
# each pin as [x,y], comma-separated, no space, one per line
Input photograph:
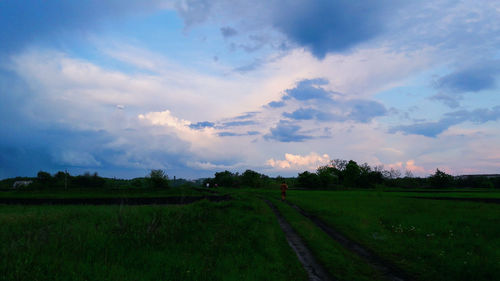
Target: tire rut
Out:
[389,270]
[314,270]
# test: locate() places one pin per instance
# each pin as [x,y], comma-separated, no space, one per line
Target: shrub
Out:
[158,179]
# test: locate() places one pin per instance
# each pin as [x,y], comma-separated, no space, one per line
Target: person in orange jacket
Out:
[283,188]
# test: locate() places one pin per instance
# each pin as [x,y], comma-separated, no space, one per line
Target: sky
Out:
[279,87]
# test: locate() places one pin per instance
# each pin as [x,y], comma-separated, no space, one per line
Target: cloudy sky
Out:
[279,87]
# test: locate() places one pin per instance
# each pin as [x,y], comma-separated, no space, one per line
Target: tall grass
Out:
[433,240]
[103,193]
[338,261]
[233,240]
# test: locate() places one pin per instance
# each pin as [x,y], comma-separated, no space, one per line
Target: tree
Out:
[392,173]
[408,174]
[308,180]
[440,179]
[340,164]
[43,179]
[226,179]
[88,180]
[352,173]
[158,179]
[61,179]
[328,176]
[251,179]
[368,177]
[378,168]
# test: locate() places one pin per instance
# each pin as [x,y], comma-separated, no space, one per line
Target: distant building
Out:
[488,176]
[18,184]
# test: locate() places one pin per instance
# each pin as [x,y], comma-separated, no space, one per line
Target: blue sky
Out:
[198,86]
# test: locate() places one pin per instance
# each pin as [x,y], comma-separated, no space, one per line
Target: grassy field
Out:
[231,240]
[338,261]
[468,193]
[433,240]
[104,193]
[241,239]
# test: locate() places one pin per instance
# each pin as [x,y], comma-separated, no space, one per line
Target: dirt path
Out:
[315,271]
[481,200]
[390,271]
[172,200]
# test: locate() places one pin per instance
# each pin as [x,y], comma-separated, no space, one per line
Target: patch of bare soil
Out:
[172,200]
[389,270]
[315,271]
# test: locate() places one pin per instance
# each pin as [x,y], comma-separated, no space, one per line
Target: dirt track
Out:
[313,268]
[173,200]
[389,270]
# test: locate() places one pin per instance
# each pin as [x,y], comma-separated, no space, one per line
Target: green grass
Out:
[104,193]
[339,262]
[467,194]
[233,240]
[433,240]
[241,239]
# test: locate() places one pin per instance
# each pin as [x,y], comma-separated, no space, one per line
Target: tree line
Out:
[341,173]
[63,180]
[337,174]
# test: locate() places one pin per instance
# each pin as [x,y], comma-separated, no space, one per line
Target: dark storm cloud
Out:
[325,26]
[33,147]
[34,138]
[321,26]
[26,149]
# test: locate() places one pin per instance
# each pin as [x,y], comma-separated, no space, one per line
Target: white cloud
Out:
[165,119]
[297,162]
[411,166]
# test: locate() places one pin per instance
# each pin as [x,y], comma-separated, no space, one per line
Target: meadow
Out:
[236,239]
[241,239]
[429,239]
[103,193]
